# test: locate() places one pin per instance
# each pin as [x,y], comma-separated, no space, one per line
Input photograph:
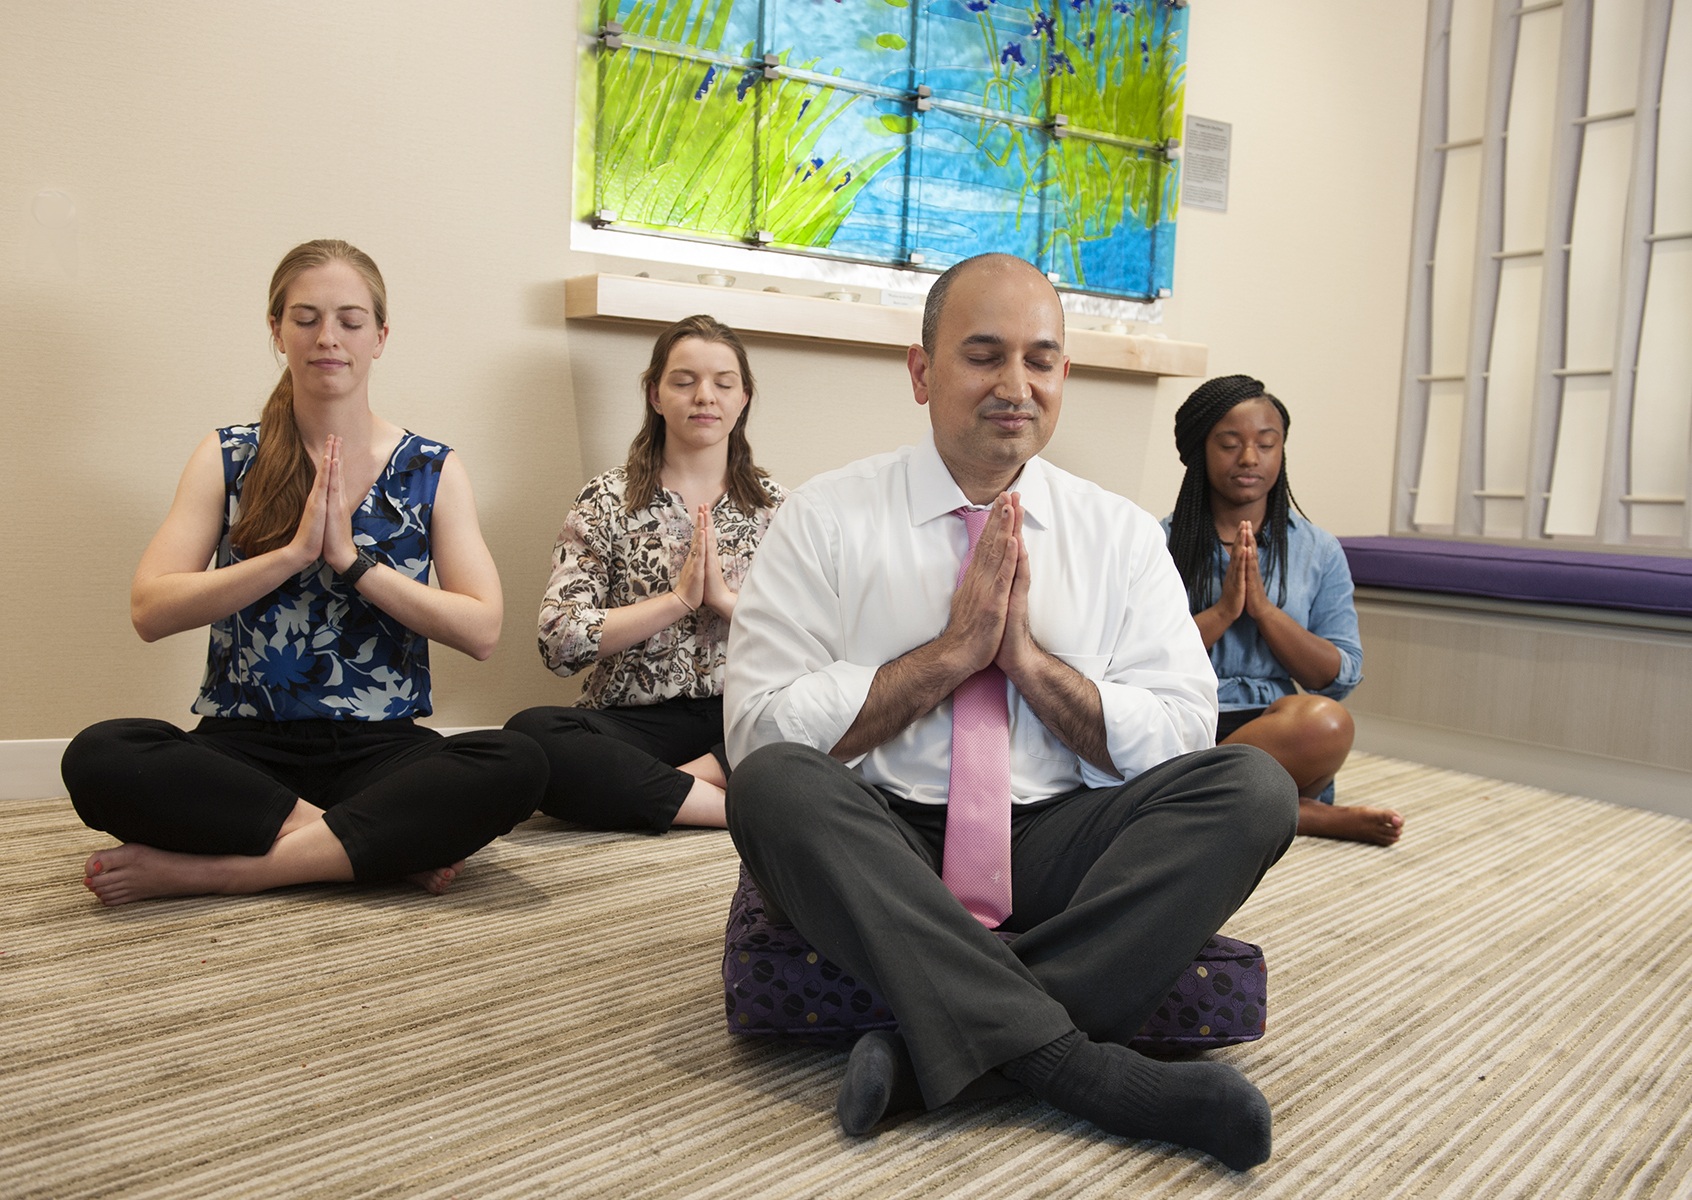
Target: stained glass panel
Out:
[899,133]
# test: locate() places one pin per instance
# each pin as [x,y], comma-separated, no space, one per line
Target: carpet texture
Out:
[1498,1007]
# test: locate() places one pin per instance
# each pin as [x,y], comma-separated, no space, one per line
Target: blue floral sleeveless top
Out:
[315,648]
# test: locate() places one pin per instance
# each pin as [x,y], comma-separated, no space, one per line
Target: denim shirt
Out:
[1248,674]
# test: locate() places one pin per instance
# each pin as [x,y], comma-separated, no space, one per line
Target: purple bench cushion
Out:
[1643,583]
[775,983]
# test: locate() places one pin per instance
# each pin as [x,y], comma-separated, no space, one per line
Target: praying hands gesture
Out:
[989,614]
[979,625]
[325,528]
[173,591]
[701,581]
[987,626]
[1312,660]
[1242,588]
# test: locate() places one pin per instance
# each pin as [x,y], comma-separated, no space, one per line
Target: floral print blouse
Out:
[607,557]
[315,648]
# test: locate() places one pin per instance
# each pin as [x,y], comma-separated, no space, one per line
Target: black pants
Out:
[1114,892]
[401,798]
[1229,723]
[615,768]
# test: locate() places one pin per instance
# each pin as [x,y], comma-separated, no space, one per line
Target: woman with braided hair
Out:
[1271,594]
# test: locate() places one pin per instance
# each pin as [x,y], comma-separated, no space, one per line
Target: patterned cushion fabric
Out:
[773,982]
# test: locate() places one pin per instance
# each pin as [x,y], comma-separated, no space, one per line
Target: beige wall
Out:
[200,140]
[1302,283]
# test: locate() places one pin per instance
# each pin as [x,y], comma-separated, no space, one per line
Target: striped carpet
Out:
[1499,1007]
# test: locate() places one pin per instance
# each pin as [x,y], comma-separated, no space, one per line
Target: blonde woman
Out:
[322,522]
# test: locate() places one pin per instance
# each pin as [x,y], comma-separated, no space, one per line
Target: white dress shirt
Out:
[859,567]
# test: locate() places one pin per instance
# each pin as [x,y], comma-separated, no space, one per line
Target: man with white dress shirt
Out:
[968,566]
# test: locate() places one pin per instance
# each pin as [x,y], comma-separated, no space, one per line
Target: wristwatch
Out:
[361,564]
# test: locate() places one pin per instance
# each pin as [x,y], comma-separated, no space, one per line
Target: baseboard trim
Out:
[1637,785]
[29,770]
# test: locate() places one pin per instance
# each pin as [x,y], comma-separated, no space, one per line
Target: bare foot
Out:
[136,872]
[436,882]
[309,854]
[1381,826]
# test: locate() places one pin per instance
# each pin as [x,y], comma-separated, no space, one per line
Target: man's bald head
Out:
[936,302]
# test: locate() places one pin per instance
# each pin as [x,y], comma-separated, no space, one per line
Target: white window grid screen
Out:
[1547,390]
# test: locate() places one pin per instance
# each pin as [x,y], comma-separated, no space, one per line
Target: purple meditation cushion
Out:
[773,982]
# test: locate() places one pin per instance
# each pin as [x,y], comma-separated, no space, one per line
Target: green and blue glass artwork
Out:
[901,131]
[815,161]
[1117,70]
[865,41]
[678,130]
[978,186]
[985,53]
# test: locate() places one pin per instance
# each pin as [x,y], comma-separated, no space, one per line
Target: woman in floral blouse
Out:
[644,579]
[323,520]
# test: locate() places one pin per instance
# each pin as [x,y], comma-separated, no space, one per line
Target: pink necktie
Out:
[976,866]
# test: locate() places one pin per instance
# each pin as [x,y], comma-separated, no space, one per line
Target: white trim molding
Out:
[29,770]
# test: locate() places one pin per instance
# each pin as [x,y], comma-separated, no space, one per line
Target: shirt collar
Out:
[934,493]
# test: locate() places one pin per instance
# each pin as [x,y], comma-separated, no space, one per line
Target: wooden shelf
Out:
[817,318]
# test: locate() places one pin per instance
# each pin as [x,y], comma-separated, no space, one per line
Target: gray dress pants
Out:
[1114,892]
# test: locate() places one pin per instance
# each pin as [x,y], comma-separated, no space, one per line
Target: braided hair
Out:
[1192,530]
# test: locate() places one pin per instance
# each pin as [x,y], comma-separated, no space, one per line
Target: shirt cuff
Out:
[1144,729]
[1350,675]
[817,709]
[570,640]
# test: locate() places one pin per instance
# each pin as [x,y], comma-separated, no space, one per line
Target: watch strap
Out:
[361,564]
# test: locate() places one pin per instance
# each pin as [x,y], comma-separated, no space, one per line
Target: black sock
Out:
[880,1080]
[1206,1105]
